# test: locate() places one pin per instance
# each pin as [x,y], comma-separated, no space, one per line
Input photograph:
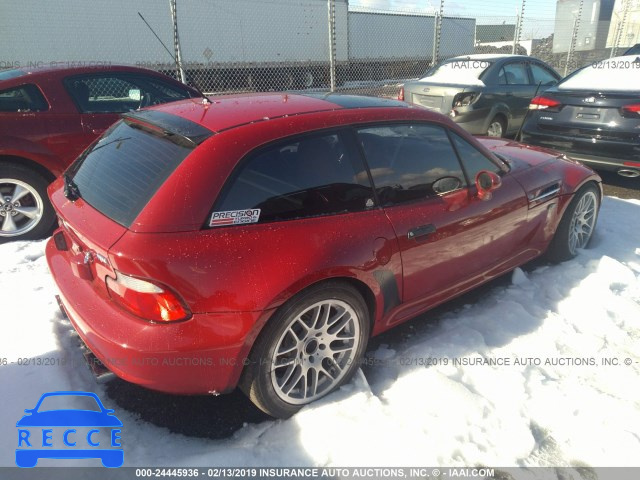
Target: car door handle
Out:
[421,231]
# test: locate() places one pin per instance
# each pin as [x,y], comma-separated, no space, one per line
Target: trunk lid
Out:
[591,115]
[435,96]
[88,234]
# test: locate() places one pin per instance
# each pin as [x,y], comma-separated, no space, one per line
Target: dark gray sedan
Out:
[485,94]
[593,115]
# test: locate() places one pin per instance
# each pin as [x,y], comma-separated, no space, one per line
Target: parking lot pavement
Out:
[621,187]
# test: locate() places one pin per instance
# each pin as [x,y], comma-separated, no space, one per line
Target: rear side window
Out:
[119,93]
[542,76]
[411,162]
[26,98]
[513,74]
[120,173]
[310,176]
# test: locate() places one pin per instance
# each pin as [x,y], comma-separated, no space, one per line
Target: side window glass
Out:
[306,177]
[162,92]
[472,159]
[26,98]
[516,74]
[104,93]
[502,78]
[542,76]
[411,162]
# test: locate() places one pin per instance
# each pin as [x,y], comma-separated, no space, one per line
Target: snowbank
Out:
[516,379]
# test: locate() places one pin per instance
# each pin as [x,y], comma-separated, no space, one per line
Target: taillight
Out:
[146,299]
[632,111]
[465,99]
[543,103]
[401,94]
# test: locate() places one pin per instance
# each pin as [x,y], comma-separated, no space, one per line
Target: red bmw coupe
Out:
[260,240]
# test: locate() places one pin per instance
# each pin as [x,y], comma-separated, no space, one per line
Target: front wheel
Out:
[575,230]
[309,348]
[25,210]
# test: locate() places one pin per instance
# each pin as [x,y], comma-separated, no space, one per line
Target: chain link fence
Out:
[368,47]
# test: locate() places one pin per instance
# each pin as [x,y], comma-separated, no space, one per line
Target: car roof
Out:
[229,111]
[487,56]
[67,68]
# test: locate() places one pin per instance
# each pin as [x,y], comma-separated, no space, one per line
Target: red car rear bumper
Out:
[204,354]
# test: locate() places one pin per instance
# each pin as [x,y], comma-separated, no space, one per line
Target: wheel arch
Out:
[360,286]
[28,163]
[499,110]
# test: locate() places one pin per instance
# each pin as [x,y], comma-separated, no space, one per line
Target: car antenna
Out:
[518,136]
[194,84]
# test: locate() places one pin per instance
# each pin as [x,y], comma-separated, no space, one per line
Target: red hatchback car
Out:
[260,240]
[48,116]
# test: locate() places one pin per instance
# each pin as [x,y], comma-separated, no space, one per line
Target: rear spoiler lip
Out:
[172,124]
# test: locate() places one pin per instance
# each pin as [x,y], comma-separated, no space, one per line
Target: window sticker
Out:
[234,217]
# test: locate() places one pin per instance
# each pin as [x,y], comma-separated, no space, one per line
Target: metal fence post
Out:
[620,28]
[518,32]
[176,41]
[574,37]
[332,44]
[437,31]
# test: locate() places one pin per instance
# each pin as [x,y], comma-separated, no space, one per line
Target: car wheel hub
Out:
[21,207]
[583,221]
[495,130]
[314,352]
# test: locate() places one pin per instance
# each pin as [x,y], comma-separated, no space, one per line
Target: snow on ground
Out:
[568,410]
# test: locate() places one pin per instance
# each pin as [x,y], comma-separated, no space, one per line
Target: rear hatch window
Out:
[121,172]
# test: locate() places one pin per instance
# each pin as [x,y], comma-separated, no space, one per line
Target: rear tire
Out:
[25,210]
[576,227]
[311,346]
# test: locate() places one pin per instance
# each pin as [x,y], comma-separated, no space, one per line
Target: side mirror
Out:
[486,183]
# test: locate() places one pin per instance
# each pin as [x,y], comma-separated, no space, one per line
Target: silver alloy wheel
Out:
[583,221]
[495,129]
[315,351]
[21,207]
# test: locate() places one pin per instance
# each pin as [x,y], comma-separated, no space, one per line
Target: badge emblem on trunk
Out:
[589,100]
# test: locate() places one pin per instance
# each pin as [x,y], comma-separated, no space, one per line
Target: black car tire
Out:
[561,247]
[18,176]
[273,358]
